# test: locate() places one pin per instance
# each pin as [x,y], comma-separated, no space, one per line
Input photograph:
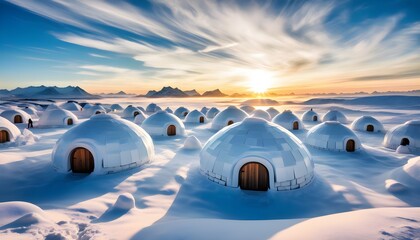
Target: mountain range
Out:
[176,92]
[40,92]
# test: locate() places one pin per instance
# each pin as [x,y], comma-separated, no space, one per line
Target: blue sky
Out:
[283,46]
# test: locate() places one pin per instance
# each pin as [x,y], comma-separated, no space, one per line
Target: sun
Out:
[259,81]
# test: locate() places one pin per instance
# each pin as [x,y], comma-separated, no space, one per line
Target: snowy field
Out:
[369,194]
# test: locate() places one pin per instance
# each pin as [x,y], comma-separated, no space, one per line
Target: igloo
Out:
[195,116]
[57,118]
[105,143]
[310,116]
[407,134]
[8,131]
[212,112]
[333,135]
[52,106]
[204,110]
[288,120]
[367,124]
[168,110]
[71,106]
[256,155]
[116,107]
[181,112]
[334,115]
[130,111]
[152,108]
[31,111]
[227,117]
[16,116]
[93,110]
[139,119]
[272,111]
[248,109]
[261,114]
[163,123]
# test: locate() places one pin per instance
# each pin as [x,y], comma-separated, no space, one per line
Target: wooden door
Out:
[315,118]
[171,130]
[253,176]
[201,119]
[18,119]
[370,128]
[136,113]
[98,112]
[295,125]
[82,161]
[4,136]
[185,114]
[350,145]
[69,121]
[405,142]
[230,122]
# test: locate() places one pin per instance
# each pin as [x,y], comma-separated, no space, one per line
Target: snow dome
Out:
[181,112]
[16,116]
[57,118]
[333,135]
[130,111]
[52,106]
[86,105]
[169,110]
[204,110]
[116,107]
[407,134]
[71,106]
[247,109]
[288,120]
[163,123]
[93,110]
[212,112]
[31,111]
[139,119]
[310,116]
[334,115]
[195,116]
[103,144]
[152,108]
[227,117]
[256,155]
[368,124]
[261,114]
[8,131]
[272,111]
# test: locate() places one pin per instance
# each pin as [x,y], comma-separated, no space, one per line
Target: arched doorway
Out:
[69,121]
[4,136]
[370,128]
[201,119]
[315,118]
[97,112]
[17,119]
[81,160]
[295,125]
[230,122]
[185,114]
[171,130]
[405,142]
[350,145]
[136,113]
[253,176]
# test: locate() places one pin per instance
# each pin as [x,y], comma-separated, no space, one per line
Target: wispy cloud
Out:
[220,42]
[98,55]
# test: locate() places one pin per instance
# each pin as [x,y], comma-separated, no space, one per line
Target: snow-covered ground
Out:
[370,194]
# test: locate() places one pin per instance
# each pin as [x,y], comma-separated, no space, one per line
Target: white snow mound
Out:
[403,149]
[192,143]
[125,201]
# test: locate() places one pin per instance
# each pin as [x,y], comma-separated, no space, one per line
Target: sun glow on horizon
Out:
[259,81]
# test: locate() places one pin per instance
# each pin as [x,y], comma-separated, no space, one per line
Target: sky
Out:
[236,46]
